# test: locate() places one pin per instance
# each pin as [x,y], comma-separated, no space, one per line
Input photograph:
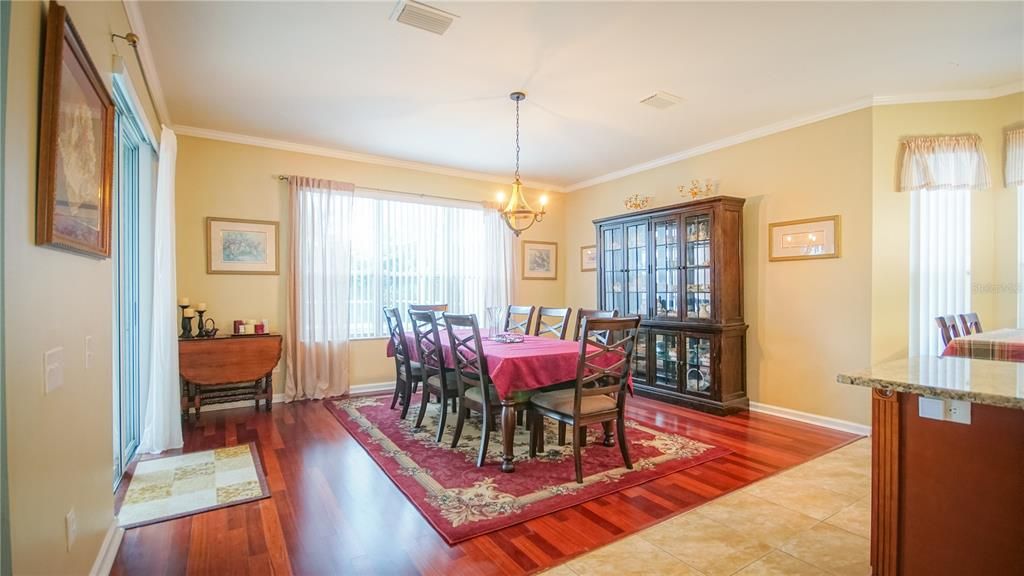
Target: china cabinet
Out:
[680,268]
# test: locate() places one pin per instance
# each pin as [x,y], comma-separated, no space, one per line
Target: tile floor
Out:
[810,520]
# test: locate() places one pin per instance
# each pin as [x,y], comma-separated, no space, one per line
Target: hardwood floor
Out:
[333,511]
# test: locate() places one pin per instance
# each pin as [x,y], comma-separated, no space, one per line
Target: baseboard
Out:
[372,388]
[808,418]
[275,399]
[108,550]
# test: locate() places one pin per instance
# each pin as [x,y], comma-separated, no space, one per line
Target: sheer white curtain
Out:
[161,428]
[940,173]
[499,255]
[317,331]
[1015,179]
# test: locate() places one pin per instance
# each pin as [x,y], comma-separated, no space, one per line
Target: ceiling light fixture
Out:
[517,212]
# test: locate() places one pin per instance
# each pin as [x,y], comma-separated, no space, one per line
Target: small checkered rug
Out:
[170,487]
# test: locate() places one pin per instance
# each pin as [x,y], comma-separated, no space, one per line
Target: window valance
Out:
[943,163]
[1015,157]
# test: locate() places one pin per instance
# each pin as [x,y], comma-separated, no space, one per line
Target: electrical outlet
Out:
[958,411]
[88,352]
[53,370]
[70,528]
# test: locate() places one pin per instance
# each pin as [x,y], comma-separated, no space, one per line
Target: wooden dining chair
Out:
[428,307]
[513,325]
[437,379]
[970,324]
[599,397]
[472,379]
[407,372]
[552,322]
[948,328]
[587,313]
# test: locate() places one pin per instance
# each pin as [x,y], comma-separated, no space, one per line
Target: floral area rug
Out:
[170,487]
[462,501]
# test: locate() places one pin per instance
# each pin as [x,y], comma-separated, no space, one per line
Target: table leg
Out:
[508,431]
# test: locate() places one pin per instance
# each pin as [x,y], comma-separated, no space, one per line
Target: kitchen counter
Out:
[988,382]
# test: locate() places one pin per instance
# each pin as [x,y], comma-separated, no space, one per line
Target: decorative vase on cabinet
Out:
[680,268]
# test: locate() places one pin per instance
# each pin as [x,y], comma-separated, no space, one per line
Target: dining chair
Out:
[970,324]
[472,379]
[558,325]
[587,313]
[437,379]
[599,397]
[407,372]
[512,325]
[948,328]
[428,307]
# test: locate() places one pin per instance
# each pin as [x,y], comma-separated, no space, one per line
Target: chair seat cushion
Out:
[476,394]
[561,401]
[435,380]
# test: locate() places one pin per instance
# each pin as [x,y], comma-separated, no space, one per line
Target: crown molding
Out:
[983,94]
[138,25]
[353,156]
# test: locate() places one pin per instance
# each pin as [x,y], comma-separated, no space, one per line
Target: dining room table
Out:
[1004,344]
[514,368]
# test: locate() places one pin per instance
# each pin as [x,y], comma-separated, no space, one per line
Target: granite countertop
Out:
[991,382]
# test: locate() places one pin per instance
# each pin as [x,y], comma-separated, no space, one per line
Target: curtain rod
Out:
[484,203]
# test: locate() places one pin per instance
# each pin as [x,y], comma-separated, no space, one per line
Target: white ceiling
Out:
[343,76]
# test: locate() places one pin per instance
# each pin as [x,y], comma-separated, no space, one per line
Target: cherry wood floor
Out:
[333,511]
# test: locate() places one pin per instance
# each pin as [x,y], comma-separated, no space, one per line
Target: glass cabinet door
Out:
[666,269]
[612,264]
[698,365]
[666,360]
[698,266]
[640,357]
[636,269]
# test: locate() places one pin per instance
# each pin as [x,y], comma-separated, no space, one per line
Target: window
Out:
[414,253]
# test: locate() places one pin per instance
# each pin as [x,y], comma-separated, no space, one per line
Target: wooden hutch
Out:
[680,268]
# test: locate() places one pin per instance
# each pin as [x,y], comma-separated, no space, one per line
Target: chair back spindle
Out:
[514,325]
[970,324]
[552,322]
[467,354]
[587,313]
[604,363]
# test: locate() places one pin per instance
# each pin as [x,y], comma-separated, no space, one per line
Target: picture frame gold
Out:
[241,246]
[539,260]
[806,244]
[76,145]
[588,258]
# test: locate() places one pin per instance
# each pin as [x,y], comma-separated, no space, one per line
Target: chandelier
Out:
[517,212]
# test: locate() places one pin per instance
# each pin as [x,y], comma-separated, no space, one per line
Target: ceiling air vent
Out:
[417,15]
[661,100]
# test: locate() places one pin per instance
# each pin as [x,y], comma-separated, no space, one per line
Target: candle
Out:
[189,313]
[201,307]
[183,301]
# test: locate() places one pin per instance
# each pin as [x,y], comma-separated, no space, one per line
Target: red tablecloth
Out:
[1005,344]
[535,363]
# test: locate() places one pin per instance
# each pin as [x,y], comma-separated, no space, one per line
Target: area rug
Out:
[170,487]
[462,501]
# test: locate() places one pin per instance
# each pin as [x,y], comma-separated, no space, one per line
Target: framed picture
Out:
[588,258]
[76,145]
[241,246]
[540,260]
[807,239]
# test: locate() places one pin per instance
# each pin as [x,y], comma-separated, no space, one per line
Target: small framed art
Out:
[540,260]
[588,258]
[808,239]
[236,246]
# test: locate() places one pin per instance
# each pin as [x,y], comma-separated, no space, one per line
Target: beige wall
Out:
[808,319]
[216,178]
[993,216]
[59,445]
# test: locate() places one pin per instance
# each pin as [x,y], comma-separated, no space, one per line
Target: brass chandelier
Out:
[517,213]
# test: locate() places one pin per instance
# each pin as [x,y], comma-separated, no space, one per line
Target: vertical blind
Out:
[414,253]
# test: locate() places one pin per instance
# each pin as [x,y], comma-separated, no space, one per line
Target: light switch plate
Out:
[53,370]
[933,408]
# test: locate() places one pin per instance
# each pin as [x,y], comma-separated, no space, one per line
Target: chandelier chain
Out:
[517,140]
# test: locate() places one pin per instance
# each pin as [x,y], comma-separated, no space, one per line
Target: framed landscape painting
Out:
[808,239]
[540,260]
[236,246]
[76,145]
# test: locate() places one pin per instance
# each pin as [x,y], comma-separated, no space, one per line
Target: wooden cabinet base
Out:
[947,498]
[703,404]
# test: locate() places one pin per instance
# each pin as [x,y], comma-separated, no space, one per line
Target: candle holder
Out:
[186,323]
[202,333]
